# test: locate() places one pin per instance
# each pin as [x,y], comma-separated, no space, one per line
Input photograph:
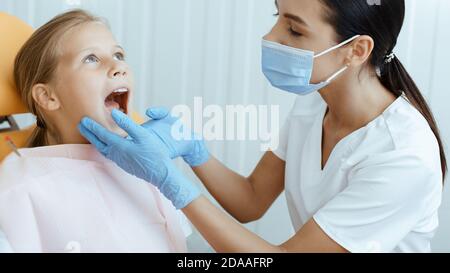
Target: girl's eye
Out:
[294,33]
[119,56]
[91,59]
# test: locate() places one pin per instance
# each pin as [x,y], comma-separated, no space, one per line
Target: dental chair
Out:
[13,34]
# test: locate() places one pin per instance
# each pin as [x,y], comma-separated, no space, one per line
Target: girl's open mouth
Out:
[118,99]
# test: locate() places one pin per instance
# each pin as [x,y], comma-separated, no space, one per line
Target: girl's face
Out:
[301,24]
[91,79]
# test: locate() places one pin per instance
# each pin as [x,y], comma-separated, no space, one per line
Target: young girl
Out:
[61,195]
[362,172]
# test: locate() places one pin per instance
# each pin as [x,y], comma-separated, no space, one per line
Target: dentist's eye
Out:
[119,56]
[91,59]
[294,33]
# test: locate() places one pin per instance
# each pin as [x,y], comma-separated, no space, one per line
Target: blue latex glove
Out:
[142,155]
[192,149]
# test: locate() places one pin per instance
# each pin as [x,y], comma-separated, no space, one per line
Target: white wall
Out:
[211,48]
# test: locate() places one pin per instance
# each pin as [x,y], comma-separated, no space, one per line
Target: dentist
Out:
[363,172]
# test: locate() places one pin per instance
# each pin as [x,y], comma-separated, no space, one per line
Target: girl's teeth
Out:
[120,90]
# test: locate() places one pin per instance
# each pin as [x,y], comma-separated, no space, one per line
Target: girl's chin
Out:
[118,131]
[110,125]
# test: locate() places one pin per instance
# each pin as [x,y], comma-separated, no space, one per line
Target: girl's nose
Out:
[118,71]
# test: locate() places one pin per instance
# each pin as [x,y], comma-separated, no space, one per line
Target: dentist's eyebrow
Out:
[296,19]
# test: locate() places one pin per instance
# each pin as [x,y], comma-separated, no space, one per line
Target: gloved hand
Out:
[142,155]
[179,140]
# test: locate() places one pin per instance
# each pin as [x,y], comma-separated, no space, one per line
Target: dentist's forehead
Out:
[308,11]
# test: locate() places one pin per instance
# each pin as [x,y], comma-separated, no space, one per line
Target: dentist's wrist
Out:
[179,189]
[199,154]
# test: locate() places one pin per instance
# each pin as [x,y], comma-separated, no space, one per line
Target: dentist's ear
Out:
[359,50]
[45,98]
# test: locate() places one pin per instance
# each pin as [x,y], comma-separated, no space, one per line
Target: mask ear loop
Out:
[336,46]
[335,75]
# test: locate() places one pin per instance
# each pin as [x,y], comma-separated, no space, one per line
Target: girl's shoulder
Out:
[51,163]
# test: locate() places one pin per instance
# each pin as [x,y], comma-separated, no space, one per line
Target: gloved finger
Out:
[100,132]
[93,139]
[128,125]
[157,113]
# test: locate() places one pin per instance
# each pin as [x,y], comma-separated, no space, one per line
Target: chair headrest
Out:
[13,34]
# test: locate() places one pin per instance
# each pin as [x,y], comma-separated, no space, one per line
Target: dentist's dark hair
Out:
[383,21]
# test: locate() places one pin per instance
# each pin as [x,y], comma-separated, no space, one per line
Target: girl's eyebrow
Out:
[95,47]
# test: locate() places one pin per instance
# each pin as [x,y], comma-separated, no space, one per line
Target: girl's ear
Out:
[45,98]
[360,50]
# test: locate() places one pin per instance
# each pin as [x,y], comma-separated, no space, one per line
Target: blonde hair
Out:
[37,61]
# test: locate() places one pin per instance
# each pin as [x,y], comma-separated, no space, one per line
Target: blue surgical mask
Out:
[290,69]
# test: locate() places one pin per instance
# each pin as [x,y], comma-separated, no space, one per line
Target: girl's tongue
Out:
[115,101]
[112,104]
